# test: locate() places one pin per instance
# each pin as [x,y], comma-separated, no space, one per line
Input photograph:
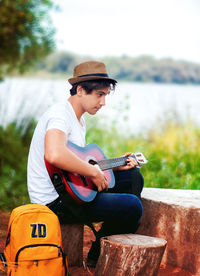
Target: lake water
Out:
[134,107]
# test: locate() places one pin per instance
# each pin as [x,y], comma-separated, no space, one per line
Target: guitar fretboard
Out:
[112,163]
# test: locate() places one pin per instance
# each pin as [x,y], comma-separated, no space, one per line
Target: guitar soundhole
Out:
[92,162]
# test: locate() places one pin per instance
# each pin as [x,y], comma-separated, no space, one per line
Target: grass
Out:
[173,152]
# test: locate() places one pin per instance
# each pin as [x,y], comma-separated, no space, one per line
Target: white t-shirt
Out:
[60,116]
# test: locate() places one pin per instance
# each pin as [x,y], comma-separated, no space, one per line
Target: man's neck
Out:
[74,101]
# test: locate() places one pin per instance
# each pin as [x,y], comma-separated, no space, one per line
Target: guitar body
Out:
[81,188]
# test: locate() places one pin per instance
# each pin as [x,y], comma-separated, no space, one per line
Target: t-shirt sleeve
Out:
[60,124]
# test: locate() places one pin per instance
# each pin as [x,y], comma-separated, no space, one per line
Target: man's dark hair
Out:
[91,85]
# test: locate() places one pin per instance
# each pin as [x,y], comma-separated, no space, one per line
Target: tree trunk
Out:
[72,238]
[130,255]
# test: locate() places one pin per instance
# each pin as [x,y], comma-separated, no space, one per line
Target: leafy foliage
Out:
[174,157]
[173,152]
[13,162]
[26,34]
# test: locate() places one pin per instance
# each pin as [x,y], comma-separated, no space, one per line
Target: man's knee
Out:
[137,182]
[134,206]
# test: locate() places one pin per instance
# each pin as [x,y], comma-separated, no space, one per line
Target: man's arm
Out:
[57,154]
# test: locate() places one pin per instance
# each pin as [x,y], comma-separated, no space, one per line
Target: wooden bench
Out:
[130,254]
[72,237]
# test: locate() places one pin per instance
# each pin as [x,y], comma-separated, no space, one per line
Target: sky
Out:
[160,28]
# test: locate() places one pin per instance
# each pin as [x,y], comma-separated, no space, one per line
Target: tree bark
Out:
[72,238]
[130,255]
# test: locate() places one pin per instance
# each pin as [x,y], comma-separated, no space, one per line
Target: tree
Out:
[26,34]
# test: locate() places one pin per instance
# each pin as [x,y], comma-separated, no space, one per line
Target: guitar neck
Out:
[112,163]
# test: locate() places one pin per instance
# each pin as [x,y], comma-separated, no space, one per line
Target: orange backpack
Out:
[34,243]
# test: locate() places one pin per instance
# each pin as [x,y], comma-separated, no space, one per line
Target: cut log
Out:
[72,238]
[130,255]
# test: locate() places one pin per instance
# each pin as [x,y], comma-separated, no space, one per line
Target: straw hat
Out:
[89,70]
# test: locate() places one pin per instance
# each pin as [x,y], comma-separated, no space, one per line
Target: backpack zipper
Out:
[60,251]
[36,245]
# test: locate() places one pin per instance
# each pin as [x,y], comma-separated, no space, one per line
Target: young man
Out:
[119,208]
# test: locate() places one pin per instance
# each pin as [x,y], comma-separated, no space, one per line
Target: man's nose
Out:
[103,100]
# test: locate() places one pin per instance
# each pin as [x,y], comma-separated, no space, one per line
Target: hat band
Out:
[94,75]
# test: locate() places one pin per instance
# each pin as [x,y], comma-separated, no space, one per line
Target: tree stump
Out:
[72,238]
[130,254]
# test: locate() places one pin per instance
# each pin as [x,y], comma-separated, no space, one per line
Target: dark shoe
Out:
[93,254]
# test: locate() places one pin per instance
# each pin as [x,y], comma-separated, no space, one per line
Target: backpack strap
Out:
[59,184]
[3,260]
[61,190]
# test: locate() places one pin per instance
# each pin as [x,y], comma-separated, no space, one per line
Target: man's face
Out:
[91,103]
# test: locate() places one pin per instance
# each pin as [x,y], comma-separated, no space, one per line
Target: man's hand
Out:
[131,163]
[99,179]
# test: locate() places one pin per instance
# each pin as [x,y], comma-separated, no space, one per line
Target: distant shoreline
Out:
[57,76]
[142,69]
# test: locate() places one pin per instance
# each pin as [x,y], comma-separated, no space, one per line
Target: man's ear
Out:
[79,90]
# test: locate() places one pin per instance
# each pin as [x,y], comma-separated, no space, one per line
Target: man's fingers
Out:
[132,162]
[103,185]
[106,184]
[99,189]
[128,153]
[100,180]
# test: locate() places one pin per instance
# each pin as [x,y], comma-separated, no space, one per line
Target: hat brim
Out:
[80,79]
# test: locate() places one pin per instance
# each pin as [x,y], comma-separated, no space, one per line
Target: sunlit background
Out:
[157,27]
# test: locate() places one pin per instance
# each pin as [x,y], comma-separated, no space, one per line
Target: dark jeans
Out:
[119,208]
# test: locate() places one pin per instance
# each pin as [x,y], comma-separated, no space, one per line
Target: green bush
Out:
[13,163]
[173,152]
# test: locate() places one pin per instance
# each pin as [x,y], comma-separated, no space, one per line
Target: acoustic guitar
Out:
[81,188]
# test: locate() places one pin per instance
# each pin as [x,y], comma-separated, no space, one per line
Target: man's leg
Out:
[130,181]
[121,213]
[68,211]
[127,206]
[119,208]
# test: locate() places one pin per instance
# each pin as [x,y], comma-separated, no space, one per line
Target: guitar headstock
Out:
[139,157]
